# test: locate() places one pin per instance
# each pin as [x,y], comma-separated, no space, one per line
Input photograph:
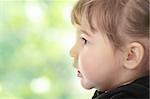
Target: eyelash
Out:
[85,40]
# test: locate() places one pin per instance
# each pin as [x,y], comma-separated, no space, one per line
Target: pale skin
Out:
[100,67]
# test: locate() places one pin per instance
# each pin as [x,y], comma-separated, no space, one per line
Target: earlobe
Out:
[133,55]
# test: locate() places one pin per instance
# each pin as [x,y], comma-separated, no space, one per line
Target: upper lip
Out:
[75,64]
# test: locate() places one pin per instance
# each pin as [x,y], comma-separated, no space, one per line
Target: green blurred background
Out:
[35,38]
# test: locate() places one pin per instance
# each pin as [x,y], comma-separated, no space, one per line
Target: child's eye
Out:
[84,40]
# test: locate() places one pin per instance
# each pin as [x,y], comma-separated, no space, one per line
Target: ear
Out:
[133,55]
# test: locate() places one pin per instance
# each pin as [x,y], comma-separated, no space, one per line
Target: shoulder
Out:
[115,95]
[122,95]
[137,89]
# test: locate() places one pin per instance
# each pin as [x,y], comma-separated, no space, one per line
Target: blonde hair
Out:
[113,18]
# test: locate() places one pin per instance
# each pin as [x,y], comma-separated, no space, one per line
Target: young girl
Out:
[111,53]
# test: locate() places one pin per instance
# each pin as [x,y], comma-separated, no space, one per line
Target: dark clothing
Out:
[138,89]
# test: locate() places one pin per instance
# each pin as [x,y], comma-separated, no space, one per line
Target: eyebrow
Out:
[83,31]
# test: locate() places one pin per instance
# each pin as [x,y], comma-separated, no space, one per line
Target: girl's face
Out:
[96,63]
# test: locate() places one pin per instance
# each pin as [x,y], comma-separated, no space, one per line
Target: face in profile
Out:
[96,63]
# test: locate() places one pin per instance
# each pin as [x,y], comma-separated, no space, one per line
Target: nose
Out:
[73,52]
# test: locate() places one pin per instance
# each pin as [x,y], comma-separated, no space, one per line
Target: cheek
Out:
[90,63]
[97,64]
[96,57]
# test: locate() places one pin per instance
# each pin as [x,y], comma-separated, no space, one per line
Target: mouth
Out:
[79,74]
[75,65]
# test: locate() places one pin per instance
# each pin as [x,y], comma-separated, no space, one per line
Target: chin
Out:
[87,88]
[86,85]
